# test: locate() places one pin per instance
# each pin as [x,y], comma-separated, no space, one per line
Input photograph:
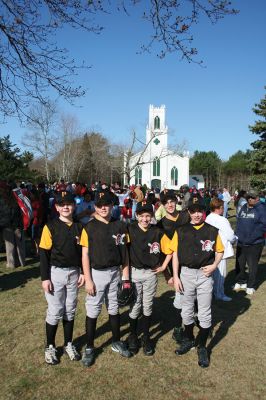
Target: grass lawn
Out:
[238,352]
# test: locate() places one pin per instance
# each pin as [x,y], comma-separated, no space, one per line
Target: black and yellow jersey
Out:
[169,227]
[145,246]
[106,243]
[196,245]
[59,246]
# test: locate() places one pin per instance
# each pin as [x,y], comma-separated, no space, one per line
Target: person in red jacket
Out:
[37,221]
[126,211]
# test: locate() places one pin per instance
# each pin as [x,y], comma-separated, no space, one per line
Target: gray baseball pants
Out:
[196,284]
[145,285]
[62,302]
[106,283]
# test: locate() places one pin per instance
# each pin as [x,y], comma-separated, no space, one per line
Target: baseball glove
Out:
[125,293]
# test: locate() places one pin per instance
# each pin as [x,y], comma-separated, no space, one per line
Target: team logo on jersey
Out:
[119,239]
[207,245]
[154,248]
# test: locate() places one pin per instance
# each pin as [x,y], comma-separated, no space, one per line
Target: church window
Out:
[156,167]
[174,176]
[138,175]
[156,122]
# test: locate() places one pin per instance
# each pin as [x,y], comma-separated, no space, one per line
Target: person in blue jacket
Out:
[250,230]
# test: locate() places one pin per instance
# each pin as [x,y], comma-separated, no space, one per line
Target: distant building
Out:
[159,167]
[197,181]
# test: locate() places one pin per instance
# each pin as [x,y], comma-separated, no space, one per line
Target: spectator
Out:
[250,229]
[240,201]
[12,228]
[226,199]
[226,233]
[85,210]
[37,221]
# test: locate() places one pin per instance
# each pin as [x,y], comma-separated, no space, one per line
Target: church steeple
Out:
[156,131]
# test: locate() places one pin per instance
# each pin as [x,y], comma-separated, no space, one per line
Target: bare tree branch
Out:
[31,62]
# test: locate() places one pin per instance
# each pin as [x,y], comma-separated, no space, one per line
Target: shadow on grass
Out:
[105,328]
[226,314]
[164,317]
[18,277]
[163,321]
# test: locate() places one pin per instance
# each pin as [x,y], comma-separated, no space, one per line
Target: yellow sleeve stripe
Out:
[164,243]
[84,240]
[46,239]
[219,247]
[168,246]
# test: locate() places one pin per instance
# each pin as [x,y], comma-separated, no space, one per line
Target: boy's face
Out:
[104,211]
[170,206]
[144,219]
[65,210]
[196,216]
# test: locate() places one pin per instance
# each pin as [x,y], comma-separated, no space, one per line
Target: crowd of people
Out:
[84,234]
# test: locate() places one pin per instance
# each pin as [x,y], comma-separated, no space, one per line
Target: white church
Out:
[156,165]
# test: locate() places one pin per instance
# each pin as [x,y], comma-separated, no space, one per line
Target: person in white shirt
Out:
[226,200]
[228,237]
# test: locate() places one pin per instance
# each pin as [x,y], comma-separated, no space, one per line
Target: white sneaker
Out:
[250,291]
[236,287]
[71,351]
[50,355]
[239,286]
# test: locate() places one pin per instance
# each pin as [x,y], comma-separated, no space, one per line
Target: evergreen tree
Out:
[236,171]
[208,164]
[13,163]
[258,159]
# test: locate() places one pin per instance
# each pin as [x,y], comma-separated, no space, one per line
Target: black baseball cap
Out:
[64,198]
[144,206]
[196,203]
[104,199]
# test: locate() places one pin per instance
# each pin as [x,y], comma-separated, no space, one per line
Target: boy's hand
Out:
[90,288]
[47,286]
[81,280]
[209,269]
[170,281]
[159,269]
[178,285]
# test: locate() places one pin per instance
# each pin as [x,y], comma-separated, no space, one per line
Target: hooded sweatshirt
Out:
[251,225]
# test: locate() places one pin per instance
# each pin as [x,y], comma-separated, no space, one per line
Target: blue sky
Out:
[210,107]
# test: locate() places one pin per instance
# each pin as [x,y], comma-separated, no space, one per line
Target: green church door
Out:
[156,183]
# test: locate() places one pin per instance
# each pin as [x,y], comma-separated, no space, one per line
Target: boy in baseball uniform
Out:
[169,224]
[146,242]
[104,250]
[61,274]
[198,250]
